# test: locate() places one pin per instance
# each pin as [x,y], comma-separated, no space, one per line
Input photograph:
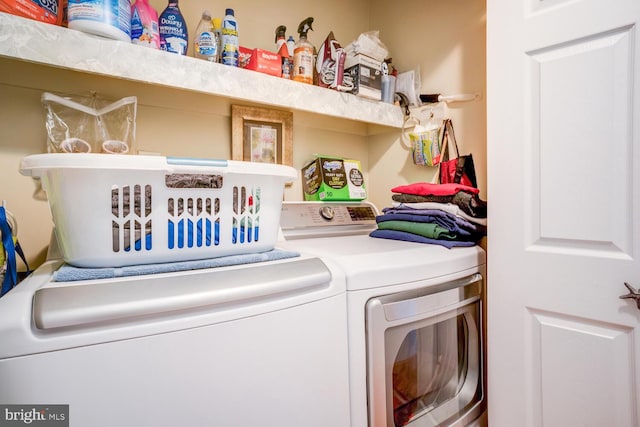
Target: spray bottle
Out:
[280,37]
[282,49]
[303,63]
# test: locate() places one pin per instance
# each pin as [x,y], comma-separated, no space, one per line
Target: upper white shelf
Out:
[28,40]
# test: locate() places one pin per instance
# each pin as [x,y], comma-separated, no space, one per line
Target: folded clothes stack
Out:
[445,214]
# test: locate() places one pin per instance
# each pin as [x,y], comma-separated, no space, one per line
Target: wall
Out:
[445,41]
[177,123]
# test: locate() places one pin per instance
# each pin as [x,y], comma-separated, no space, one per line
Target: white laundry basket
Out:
[119,210]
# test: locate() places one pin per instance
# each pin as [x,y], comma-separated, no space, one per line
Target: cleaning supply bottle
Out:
[174,36]
[281,31]
[291,45]
[106,18]
[144,25]
[217,29]
[230,43]
[303,63]
[205,45]
[282,50]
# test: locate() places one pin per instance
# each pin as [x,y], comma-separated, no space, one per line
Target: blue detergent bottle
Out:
[174,36]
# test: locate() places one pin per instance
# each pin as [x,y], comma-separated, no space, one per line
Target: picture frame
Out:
[261,135]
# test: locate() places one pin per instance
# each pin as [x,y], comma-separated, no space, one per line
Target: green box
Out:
[333,179]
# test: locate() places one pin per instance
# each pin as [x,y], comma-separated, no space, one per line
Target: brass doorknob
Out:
[633,294]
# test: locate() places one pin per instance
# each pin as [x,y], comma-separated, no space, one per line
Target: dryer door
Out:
[424,357]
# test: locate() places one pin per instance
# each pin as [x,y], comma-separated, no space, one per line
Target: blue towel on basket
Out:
[69,273]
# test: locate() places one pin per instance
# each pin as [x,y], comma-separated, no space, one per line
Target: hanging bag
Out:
[455,168]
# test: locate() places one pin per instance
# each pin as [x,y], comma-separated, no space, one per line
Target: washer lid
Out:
[41,315]
[370,262]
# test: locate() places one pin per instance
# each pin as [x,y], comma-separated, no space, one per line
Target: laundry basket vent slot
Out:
[131,226]
[193,222]
[246,215]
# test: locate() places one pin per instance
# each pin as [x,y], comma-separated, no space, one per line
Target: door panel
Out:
[569,347]
[582,137]
[563,148]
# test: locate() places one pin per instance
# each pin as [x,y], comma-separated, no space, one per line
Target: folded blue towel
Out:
[69,273]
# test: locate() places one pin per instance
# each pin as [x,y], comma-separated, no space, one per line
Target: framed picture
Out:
[261,135]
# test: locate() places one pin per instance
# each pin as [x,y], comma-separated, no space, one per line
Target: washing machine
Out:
[415,317]
[261,344]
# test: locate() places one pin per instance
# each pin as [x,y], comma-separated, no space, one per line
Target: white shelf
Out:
[50,45]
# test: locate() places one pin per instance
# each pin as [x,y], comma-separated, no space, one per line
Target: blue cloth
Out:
[410,237]
[439,213]
[443,220]
[69,273]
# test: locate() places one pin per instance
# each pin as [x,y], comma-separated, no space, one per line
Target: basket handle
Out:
[190,161]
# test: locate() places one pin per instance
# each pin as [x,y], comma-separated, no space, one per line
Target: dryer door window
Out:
[435,371]
[425,357]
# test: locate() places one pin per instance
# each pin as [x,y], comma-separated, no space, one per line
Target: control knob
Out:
[327,213]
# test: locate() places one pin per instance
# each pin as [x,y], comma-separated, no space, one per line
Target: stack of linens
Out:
[445,214]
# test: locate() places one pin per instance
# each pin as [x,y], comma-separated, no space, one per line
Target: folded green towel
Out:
[425,229]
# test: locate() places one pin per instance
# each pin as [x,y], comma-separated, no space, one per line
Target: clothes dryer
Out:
[415,317]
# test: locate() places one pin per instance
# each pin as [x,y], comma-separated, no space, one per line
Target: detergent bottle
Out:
[230,44]
[174,36]
[205,45]
[303,63]
[106,18]
[144,25]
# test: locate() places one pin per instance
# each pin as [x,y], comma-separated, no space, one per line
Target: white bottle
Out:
[106,18]
[291,45]
[230,43]
[205,46]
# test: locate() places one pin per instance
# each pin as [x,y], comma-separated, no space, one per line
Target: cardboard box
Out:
[244,55]
[366,73]
[266,62]
[333,179]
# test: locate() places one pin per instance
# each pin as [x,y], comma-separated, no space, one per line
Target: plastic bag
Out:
[89,124]
[425,141]
[409,83]
[369,44]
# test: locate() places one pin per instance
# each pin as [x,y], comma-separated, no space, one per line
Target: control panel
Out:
[327,218]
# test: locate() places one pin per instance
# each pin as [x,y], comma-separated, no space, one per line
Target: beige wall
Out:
[444,38]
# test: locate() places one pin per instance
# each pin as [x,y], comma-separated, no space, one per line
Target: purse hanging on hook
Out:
[455,168]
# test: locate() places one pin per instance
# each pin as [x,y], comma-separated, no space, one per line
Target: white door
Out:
[564,209]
